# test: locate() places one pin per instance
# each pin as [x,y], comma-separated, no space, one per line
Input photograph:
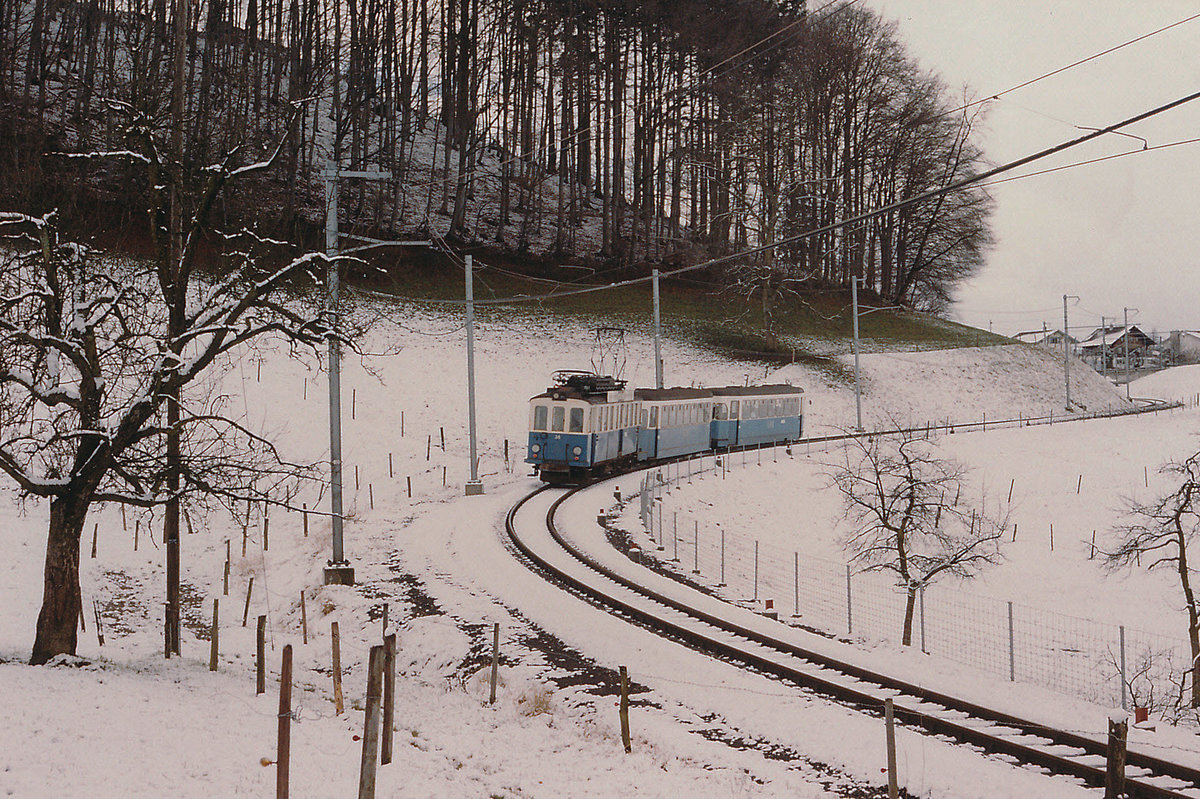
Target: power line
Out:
[928,195]
[1072,65]
[1096,160]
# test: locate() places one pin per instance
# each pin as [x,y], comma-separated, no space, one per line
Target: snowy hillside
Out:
[123,722]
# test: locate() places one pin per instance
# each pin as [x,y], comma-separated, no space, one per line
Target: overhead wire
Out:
[857,219]
[1072,65]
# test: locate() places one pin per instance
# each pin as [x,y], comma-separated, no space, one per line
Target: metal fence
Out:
[1097,661]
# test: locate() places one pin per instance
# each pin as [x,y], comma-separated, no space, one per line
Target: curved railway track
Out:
[697,620]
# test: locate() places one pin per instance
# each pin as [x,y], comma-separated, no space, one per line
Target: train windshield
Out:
[539,417]
[557,417]
[576,420]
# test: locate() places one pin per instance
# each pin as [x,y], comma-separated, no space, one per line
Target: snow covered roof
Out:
[1107,337]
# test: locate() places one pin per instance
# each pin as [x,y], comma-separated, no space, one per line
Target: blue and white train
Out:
[588,425]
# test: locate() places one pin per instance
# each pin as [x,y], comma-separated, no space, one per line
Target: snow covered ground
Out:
[121,721]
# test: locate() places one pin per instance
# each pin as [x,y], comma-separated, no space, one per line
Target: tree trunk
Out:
[59,618]
[909,606]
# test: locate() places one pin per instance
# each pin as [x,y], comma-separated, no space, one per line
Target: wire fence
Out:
[1098,661]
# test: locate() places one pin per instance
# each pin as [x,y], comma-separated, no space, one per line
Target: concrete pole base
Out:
[474,488]
[339,574]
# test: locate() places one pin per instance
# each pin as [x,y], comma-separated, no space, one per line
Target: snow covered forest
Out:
[613,133]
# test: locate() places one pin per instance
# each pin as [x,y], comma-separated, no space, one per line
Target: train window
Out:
[733,409]
[557,417]
[576,420]
[720,411]
[653,418]
[539,417]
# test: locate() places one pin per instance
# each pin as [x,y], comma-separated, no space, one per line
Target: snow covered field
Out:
[120,721]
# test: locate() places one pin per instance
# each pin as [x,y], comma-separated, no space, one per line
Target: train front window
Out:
[557,418]
[653,418]
[576,420]
[539,417]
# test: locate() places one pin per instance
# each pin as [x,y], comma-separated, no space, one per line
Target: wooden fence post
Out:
[338,703]
[214,648]
[225,581]
[389,698]
[370,750]
[1114,778]
[624,711]
[261,659]
[283,752]
[246,609]
[95,528]
[303,617]
[495,660]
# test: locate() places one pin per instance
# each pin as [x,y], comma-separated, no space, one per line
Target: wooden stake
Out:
[95,528]
[214,647]
[428,446]
[303,618]
[1014,531]
[389,698]
[402,424]
[305,396]
[266,530]
[304,516]
[99,622]
[137,529]
[1114,777]
[1146,475]
[1051,536]
[370,738]
[442,430]
[283,750]
[443,477]
[624,711]
[409,479]
[243,540]
[495,661]
[390,473]
[338,704]
[1011,483]
[225,581]
[1079,485]
[353,402]
[258,375]
[260,663]
[1093,546]
[385,620]
[246,610]
[356,477]
[371,495]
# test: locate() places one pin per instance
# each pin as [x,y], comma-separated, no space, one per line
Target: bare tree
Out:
[88,367]
[1162,529]
[910,517]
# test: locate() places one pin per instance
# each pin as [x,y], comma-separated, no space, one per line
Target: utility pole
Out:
[658,364]
[1126,337]
[474,486]
[857,384]
[338,571]
[1067,348]
[1104,346]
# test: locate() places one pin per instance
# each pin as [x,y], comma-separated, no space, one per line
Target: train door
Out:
[735,423]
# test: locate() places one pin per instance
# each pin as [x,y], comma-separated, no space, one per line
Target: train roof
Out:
[756,391]
[668,394]
[567,392]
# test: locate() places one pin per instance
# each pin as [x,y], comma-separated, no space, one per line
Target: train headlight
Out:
[536,448]
[578,451]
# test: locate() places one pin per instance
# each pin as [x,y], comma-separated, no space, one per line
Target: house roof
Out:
[1107,337]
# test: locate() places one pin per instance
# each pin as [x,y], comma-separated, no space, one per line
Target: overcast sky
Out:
[1124,233]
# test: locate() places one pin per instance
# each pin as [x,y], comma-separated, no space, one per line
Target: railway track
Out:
[710,625]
